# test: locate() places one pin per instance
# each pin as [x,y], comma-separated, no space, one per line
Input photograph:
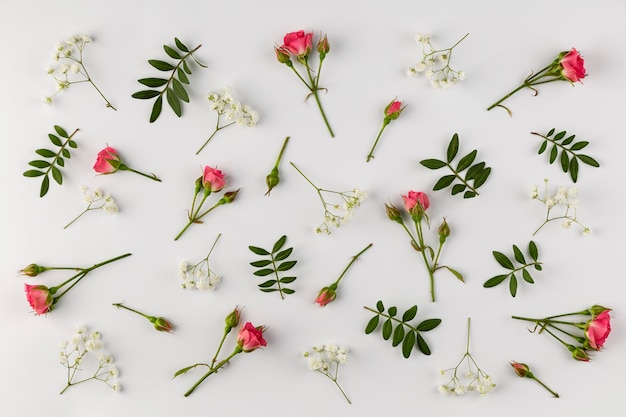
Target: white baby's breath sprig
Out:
[231,110]
[69,67]
[199,276]
[326,359]
[435,64]
[96,200]
[339,211]
[77,353]
[565,199]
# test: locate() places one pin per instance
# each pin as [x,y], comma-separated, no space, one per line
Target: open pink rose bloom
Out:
[250,338]
[213,179]
[103,163]
[573,66]
[39,298]
[415,197]
[298,43]
[598,329]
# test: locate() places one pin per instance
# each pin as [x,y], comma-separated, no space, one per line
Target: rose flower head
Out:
[212,179]
[298,43]
[326,295]
[107,161]
[250,338]
[572,65]
[39,298]
[416,199]
[394,109]
[597,330]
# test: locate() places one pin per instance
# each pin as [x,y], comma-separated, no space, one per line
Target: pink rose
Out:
[573,66]
[521,369]
[39,298]
[298,43]
[107,162]
[414,198]
[394,109]
[213,179]
[598,330]
[250,338]
[325,296]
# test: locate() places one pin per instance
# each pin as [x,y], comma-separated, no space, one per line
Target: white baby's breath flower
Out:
[586,231]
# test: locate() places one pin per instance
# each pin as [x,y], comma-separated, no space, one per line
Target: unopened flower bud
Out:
[198,185]
[579,353]
[272,180]
[32,270]
[283,55]
[161,324]
[595,310]
[232,320]
[229,197]
[521,369]
[393,213]
[325,296]
[323,47]
[393,109]
[444,231]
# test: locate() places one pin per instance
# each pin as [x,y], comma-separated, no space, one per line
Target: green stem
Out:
[124,167]
[354,258]
[418,228]
[78,217]
[314,89]
[219,347]
[95,86]
[282,150]
[212,371]
[196,218]
[456,174]
[217,129]
[391,318]
[528,83]
[385,123]
[120,305]
[305,177]
[533,377]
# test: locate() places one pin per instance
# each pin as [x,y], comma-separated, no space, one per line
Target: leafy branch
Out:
[507,263]
[477,174]
[272,266]
[46,168]
[173,89]
[403,333]
[568,158]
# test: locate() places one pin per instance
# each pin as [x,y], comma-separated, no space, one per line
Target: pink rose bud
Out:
[250,338]
[393,213]
[444,231]
[282,55]
[107,161]
[39,298]
[32,270]
[213,179]
[232,320]
[521,369]
[573,65]
[416,198]
[580,354]
[298,43]
[229,197]
[393,109]
[597,330]
[323,47]
[325,296]
[162,325]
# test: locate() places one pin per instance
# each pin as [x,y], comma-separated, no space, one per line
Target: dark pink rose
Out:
[213,179]
[39,298]
[414,198]
[325,296]
[107,161]
[598,329]
[298,43]
[250,338]
[573,66]
[393,110]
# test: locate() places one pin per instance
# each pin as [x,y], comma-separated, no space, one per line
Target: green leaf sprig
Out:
[409,337]
[474,177]
[272,266]
[507,263]
[47,168]
[567,147]
[173,88]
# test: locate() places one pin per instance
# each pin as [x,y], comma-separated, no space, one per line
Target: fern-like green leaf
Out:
[274,263]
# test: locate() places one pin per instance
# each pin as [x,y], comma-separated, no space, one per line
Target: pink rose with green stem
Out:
[392,112]
[211,181]
[43,299]
[328,294]
[109,162]
[568,66]
[523,371]
[416,204]
[299,44]
[597,330]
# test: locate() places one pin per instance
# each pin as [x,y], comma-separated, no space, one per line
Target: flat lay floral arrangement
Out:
[459,170]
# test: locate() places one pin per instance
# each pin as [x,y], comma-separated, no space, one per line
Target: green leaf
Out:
[503,260]
[492,282]
[579,145]
[458,188]
[263,272]
[409,314]
[171,52]
[469,194]
[268,289]
[560,136]
[145,94]
[182,76]
[187,369]
[481,177]
[287,280]
[55,140]
[379,306]
[61,132]
[453,147]
[408,343]
[156,109]
[33,173]
[66,153]
[288,291]
[466,161]
[392,311]
[283,254]
[258,251]
[153,82]
[387,329]
[181,45]
[433,163]
[456,273]
[564,161]
[267,283]
[550,132]
[161,65]
[527,277]
[46,153]
[513,285]
[422,345]
[186,67]
[444,182]
[553,153]
[428,325]
[261,263]
[179,90]
[60,162]
[588,160]
[39,164]
[568,140]
[398,335]
[519,256]
[474,170]
[372,324]
[532,250]
[573,169]
[543,147]
[538,267]
[286,266]
[72,144]
[56,175]
[45,186]
[173,101]
[279,244]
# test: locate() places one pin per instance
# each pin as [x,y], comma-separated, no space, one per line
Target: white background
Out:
[372,44]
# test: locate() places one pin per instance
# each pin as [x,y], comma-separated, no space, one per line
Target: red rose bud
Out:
[107,161]
[250,338]
[572,65]
[282,54]
[232,320]
[39,298]
[393,110]
[393,213]
[32,270]
[323,47]
[325,296]
[161,324]
[521,369]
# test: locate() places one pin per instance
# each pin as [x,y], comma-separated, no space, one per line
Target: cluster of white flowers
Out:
[565,198]
[475,381]
[68,58]
[73,355]
[435,64]
[326,359]
[96,200]
[199,276]
[338,213]
[233,110]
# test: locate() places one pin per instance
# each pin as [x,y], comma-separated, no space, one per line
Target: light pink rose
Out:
[573,66]
[213,179]
[415,197]
[39,298]
[598,329]
[298,43]
[250,338]
[325,296]
[107,161]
